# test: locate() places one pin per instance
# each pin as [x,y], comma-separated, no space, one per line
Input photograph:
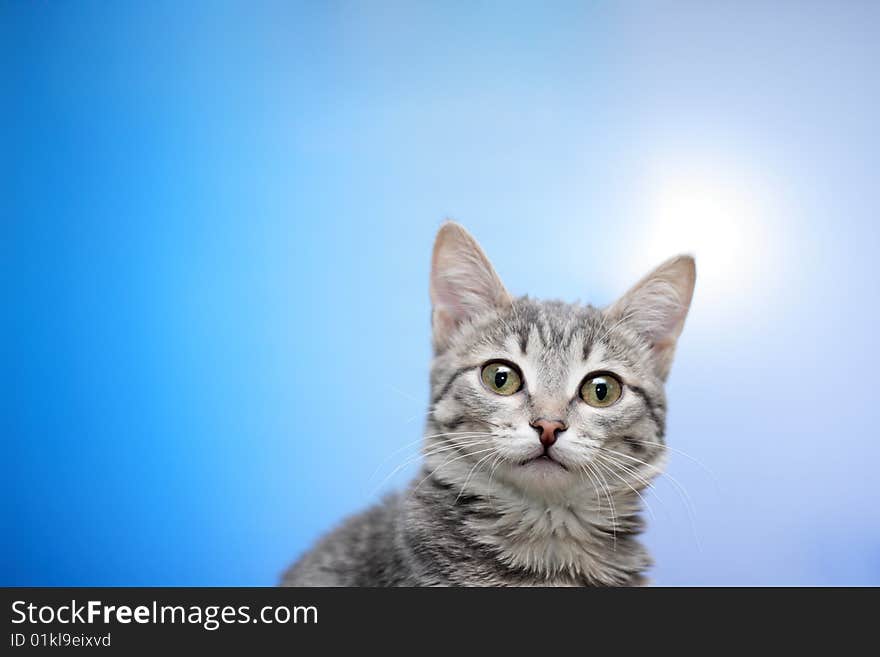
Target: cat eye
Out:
[501,377]
[600,390]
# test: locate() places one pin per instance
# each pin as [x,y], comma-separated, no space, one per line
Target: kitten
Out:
[546,420]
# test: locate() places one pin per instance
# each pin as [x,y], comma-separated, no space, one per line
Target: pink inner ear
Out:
[463,282]
[657,310]
[448,302]
[465,286]
[444,323]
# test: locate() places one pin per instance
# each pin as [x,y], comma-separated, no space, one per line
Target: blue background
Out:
[217,221]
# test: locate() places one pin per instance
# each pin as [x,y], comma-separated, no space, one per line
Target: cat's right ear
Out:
[657,306]
[463,283]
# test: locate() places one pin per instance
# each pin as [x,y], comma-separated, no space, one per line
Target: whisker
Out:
[682,452]
[607,493]
[635,475]
[630,470]
[594,485]
[403,394]
[615,474]
[686,499]
[447,462]
[473,469]
[430,452]
[498,458]
[419,415]
[418,441]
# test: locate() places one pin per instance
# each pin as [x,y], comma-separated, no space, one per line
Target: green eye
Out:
[600,390]
[501,378]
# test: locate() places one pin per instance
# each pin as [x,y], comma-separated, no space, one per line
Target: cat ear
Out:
[656,307]
[463,282]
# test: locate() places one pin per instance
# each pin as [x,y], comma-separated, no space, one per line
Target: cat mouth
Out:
[543,460]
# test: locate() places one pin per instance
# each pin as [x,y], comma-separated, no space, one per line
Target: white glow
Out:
[716,213]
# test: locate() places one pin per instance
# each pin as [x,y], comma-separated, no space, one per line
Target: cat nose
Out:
[548,430]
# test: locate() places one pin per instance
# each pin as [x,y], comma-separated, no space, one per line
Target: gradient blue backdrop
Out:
[217,221]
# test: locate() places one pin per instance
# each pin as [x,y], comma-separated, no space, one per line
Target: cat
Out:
[546,421]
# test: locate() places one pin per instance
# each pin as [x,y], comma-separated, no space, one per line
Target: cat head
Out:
[547,396]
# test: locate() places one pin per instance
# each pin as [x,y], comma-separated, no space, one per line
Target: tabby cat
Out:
[546,420]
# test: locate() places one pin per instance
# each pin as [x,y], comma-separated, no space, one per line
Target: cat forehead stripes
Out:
[546,419]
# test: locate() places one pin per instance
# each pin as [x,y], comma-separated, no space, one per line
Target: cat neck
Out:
[582,538]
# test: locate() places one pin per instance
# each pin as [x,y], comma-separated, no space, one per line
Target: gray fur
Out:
[475,515]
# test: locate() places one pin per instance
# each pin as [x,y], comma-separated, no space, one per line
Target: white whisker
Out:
[403,394]
[447,462]
[683,453]
[498,459]
[618,476]
[607,493]
[443,447]
[473,469]
[418,441]
[686,499]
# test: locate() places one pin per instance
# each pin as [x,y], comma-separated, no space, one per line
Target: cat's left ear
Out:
[464,284]
[657,306]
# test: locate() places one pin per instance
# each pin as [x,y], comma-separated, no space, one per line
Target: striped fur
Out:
[481,512]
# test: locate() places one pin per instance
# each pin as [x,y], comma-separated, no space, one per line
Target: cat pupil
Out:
[506,516]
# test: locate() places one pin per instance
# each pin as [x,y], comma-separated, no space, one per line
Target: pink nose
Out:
[548,430]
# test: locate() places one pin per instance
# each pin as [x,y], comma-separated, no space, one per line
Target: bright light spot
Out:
[718,214]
